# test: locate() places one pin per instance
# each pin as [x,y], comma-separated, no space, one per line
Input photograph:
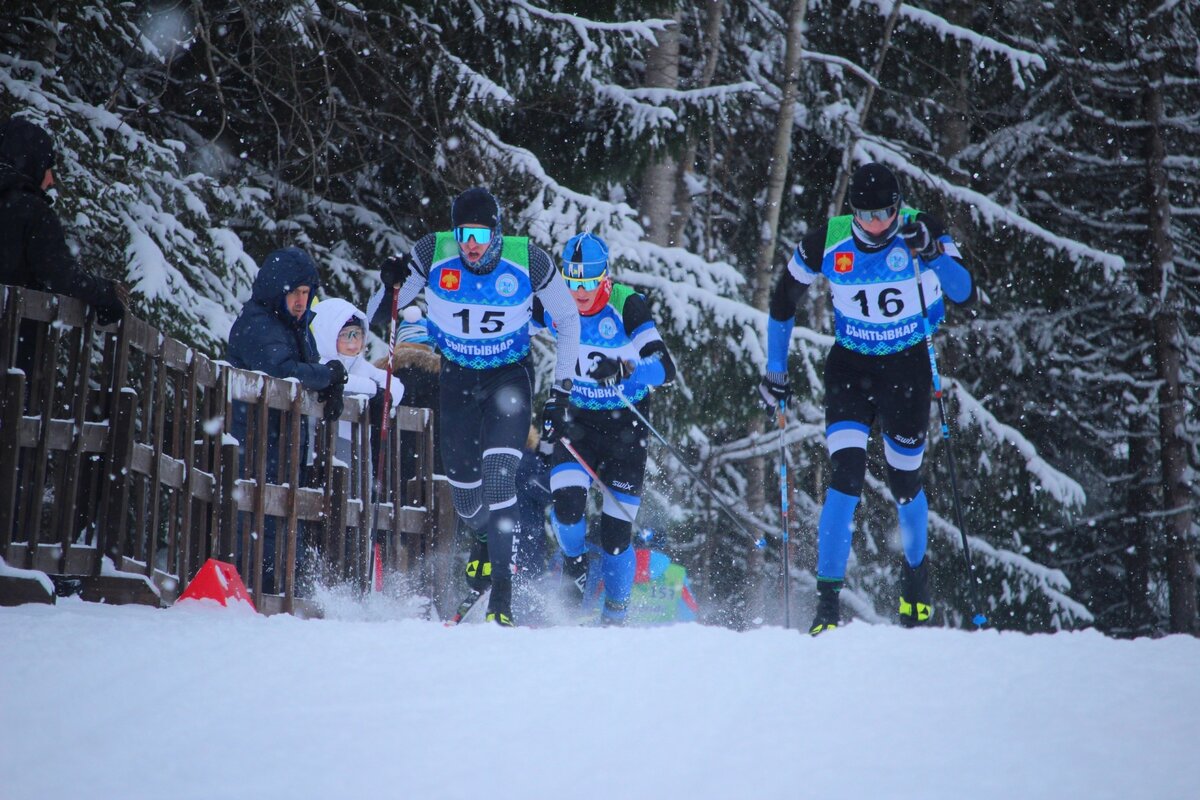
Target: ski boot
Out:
[613,614]
[500,604]
[828,611]
[915,608]
[574,581]
[479,568]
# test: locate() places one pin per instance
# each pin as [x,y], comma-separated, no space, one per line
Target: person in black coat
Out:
[271,335]
[33,247]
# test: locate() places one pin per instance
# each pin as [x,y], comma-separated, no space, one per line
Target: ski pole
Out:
[759,541]
[783,508]
[979,617]
[376,548]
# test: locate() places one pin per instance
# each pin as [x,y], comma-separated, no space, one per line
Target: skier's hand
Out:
[332,395]
[556,414]
[611,371]
[395,270]
[775,389]
[916,236]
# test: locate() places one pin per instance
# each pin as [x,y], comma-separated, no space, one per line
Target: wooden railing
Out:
[116,457]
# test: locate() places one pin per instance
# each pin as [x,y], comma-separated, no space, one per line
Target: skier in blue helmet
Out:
[620,358]
[878,367]
[480,286]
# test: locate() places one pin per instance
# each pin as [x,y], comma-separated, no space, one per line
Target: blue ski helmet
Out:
[585,258]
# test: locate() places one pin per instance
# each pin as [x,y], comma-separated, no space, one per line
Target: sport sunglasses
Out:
[587,285]
[480,235]
[875,216]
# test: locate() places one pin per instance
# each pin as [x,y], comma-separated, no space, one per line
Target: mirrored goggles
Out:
[587,285]
[350,334]
[875,216]
[480,235]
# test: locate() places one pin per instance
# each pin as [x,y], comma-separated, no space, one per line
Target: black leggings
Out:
[894,388]
[613,443]
[483,422]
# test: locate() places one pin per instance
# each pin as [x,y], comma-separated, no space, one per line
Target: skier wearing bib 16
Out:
[479,288]
[878,368]
[620,355]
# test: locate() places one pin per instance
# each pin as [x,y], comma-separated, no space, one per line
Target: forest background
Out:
[1059,140]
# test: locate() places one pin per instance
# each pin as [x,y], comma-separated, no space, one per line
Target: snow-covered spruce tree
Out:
[1113,160]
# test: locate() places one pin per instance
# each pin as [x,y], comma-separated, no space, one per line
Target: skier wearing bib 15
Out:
[878,368]
[479,289]
[621,356]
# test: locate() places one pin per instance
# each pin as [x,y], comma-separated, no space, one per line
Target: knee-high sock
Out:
[618,575]
[500,496]
[833,534]
[914,523]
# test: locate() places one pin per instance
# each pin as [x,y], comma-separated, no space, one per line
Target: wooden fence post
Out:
[227,515]
[112,540]
[10,450]
[46,380]
[295,456]
[260,494]
[337,521]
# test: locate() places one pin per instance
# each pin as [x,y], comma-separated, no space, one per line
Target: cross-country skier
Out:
[479,288]
[620,353]
[878,367]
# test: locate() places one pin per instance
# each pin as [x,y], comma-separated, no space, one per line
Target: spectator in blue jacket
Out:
[271,335]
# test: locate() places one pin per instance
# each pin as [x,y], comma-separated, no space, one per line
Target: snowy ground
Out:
[201,702]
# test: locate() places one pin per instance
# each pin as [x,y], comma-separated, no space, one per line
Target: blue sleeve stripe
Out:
[955,280]
[648,325]
[649,372]
[779,338]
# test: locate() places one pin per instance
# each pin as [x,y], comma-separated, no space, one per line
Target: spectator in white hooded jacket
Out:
[339,330]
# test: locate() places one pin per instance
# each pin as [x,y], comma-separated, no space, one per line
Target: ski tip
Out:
[980,620]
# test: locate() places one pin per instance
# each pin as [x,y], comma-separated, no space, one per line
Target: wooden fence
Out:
[117,461]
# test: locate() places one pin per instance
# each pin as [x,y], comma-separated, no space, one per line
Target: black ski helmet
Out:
[872,187]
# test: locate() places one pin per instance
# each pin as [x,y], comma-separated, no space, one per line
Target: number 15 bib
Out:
[481,321]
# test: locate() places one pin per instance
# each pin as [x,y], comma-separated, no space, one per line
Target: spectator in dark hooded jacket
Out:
[33,247]
[271,335]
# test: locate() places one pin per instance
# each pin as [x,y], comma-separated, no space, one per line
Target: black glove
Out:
[916,236]
[774,389]
[610,371]
[331,395]
[110,304]
[395,270]
[556,414]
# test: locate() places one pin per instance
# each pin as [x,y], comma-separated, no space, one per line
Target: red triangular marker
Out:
[218,581]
